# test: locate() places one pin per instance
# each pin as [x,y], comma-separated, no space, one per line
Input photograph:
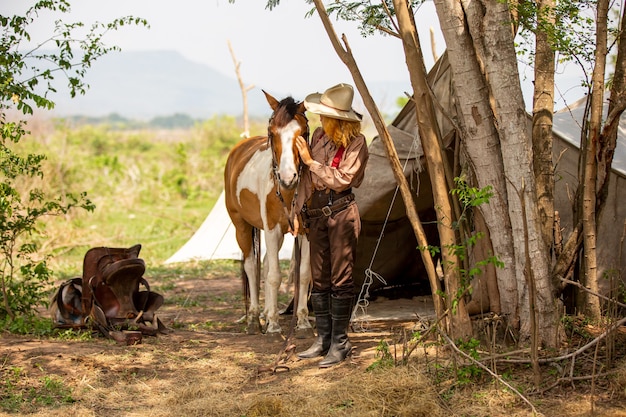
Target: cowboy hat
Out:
[336,102]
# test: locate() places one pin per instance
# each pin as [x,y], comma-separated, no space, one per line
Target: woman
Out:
[335,163]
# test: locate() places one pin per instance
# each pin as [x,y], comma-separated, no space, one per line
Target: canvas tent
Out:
[388,249]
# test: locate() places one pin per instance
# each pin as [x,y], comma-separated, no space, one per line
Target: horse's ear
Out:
[301,108]
[271,100]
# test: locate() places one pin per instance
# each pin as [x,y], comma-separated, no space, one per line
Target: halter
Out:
[275,176]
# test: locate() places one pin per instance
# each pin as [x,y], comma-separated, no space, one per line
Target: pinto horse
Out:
[260,182]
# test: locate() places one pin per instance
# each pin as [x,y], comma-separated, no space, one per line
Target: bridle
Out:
[276,176]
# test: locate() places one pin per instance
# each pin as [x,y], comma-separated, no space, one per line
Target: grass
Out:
[149,187]
[17,393]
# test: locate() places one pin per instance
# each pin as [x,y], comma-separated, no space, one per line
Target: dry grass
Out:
[195,372]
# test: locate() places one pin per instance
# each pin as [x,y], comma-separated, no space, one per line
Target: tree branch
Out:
[493,374]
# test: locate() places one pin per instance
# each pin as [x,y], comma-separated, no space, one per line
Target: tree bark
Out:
[460,324]
[604,156]
[481,146]
[480,36]
[543,110]
[590,305]
[617,104]
[496,48]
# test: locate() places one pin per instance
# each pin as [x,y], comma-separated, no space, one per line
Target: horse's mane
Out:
[286,111]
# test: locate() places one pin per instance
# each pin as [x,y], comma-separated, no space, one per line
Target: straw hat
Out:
[335,102]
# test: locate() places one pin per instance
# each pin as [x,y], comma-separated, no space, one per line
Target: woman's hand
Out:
[296,226]
[303,150]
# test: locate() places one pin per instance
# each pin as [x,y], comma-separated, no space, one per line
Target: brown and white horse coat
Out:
[256,169]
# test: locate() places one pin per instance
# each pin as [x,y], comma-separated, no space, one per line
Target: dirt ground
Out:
[208,366]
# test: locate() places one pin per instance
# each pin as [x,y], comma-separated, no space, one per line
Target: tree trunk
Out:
[481,146]
[489,42]
[244,93]
[460,325]
[589,304]
[604,157]
[495,46]
[543,109]
[617,103]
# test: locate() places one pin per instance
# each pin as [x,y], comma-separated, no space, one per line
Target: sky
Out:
[281,49]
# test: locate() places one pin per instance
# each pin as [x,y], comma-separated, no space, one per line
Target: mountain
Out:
[148,84]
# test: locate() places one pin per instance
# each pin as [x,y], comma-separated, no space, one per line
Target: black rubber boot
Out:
[321,307]
[340,346]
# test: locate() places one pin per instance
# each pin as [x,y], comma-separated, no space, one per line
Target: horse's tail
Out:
[256,250]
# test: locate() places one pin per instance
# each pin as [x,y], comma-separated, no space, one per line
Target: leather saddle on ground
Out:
[108,296]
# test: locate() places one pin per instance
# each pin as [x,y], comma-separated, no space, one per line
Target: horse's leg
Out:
[273,242]
[245,241]
[304,328]
[264,269]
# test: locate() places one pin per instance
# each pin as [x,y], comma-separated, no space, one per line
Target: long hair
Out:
[341,132]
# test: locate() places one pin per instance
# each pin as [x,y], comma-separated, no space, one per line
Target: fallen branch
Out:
[496,376]
[582,287]
[577,351]
[576,378]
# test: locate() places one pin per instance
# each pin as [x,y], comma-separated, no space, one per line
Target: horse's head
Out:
[288,121]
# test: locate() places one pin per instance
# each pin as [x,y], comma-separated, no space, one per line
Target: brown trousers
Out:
[333,242]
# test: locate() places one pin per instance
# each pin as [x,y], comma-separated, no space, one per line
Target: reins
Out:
[287,348]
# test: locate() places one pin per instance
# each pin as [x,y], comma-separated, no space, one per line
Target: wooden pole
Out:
[348,59]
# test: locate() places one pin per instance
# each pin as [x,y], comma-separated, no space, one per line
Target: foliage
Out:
[24,277]
[402,101]
[150,187]
[30,324]
[22,73]
[470,198]
[577,326]
[72,334]
[373,17]
[385,358]
[26,79]
[572,34]
[466,373]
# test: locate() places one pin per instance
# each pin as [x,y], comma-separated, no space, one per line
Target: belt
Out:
[338,205]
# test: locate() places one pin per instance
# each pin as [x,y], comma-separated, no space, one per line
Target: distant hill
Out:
[148,84]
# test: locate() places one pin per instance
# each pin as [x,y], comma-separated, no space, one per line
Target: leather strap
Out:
[337,157]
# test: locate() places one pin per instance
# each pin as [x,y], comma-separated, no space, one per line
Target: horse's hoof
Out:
[304,333]
[274,336]
[273,328]
[254,328]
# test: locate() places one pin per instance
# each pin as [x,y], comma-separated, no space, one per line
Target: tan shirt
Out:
[321,175]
